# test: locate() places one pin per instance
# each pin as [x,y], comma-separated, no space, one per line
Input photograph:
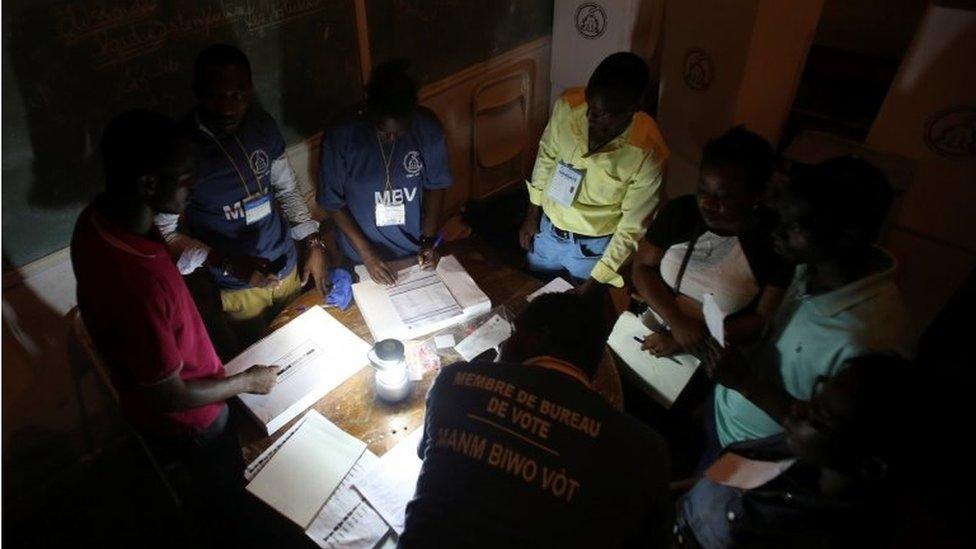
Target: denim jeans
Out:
[577,255]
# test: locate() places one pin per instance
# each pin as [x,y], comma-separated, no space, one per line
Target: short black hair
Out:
[745,149]
[846,193]
[621,79]
[137,143]
[390,92]
[218,55]
[570,326]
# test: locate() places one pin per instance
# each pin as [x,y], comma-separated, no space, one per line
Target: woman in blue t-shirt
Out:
[382,175]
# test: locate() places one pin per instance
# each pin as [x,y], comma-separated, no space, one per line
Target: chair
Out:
[82,349]
[500,130]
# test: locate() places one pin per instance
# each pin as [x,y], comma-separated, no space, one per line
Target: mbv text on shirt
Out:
[395,196]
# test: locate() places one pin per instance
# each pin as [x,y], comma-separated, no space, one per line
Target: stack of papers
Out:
[390,483]
[316,354]
[421,302]
[666,377]
[308,475]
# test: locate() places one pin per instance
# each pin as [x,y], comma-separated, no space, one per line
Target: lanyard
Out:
[386,160]
[234,164]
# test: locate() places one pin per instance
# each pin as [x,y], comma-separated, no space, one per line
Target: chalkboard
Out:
[441,37]
[68,67]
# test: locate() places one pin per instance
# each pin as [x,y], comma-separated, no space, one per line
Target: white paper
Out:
[306,469]
[383,320]
[666,376]
[421,297]
[444,341]
[265,456]
[316,354]
[555,286]
[390,484]
[346,520]
[493,332]
[714,318]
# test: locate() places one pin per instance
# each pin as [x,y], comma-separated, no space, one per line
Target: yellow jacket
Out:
[621,187]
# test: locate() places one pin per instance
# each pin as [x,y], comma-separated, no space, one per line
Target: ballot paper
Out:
[346,520]
[315,354]
[421,297]
[304,472]
[665,376]
[555,286]
[421,303]
[390,484]
[493,332]
[714,318]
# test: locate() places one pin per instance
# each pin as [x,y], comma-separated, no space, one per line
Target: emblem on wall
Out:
[412,163]
[591,20]
[952,132]
[697,70]
[259,162]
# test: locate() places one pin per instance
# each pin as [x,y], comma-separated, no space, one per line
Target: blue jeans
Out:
[552,254]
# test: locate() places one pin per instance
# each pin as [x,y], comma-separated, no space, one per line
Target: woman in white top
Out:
[717,241]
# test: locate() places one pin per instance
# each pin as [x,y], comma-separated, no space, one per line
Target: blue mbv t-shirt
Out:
[216,213]
[352,175]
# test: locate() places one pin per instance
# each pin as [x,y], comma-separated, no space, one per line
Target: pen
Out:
[440,239]
[671,358]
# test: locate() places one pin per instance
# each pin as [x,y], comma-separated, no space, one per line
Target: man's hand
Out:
[253,270]
[690,333]
[317,268]
[726,366]
[380,272]
[589,288]
[660,344]
[260,379]
[528,230]
[428,258]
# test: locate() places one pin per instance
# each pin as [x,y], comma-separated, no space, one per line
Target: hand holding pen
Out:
[652,344]
[428,255]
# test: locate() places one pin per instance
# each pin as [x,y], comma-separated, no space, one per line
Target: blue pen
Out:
[440,239]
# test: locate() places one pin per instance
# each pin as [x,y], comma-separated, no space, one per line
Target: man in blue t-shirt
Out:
[383,176]
[247,213]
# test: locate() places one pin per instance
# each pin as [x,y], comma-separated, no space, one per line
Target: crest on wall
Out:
[697,69]
[952,132]
[591,20]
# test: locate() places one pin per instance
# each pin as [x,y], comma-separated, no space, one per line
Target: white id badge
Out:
[390,214]
[565,184]
[257,208]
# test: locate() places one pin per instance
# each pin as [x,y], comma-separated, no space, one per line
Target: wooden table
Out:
[353,405]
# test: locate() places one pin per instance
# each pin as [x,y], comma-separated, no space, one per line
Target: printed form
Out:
[345,520]
[421,297]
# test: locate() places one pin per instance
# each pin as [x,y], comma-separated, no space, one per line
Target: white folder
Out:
[316,352]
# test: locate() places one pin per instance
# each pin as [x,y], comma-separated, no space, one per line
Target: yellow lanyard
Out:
[386,160]
[238,170]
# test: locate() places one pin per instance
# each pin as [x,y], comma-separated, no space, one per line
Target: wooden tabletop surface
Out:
[353,405]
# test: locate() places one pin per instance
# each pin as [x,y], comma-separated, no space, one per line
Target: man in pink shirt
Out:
[141,316]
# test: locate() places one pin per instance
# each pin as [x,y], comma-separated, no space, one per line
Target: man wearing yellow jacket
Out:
[597,177]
